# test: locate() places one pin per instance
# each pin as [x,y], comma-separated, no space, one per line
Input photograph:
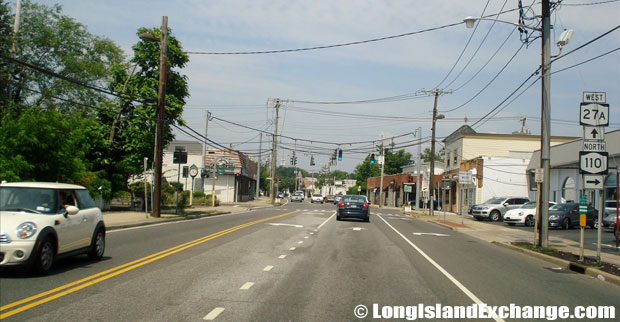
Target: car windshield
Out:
[354,199]
[36,200]
[562,206]
[529,205]
[610,204]
[316,195]
[494,201]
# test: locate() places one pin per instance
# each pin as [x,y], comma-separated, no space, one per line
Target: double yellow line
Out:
[72,287]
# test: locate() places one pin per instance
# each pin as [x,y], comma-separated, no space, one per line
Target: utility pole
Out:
[274,153]
[436,92]
[161,103]
[146,199]
[545,137]
[295,165]
[204,149]
[260,151]
[418,183]
[18,9]
[382,168]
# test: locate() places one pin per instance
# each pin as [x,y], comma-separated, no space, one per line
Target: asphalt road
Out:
[289,263]
[608,241]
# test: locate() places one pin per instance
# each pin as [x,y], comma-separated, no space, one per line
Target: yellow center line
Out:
[107,274]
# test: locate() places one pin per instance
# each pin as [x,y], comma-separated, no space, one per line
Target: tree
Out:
[365,170]
[131,122]
[57,43]
[426,155]
[5,38]
[393,164]
[395,161]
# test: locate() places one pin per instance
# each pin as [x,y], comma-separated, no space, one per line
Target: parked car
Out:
[566,215]
[317,197]
[297,197]
[353,206]
[330,198]
[610,213]
[42,222]
[524,215]
[301,193]
[495,208]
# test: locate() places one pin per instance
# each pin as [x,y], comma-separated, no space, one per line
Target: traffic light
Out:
[292,160]
[339,155]
[203,173]
[312,160]
[372,158]
[185,171]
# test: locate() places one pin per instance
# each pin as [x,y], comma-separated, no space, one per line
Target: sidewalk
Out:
[125,219]
[503,234]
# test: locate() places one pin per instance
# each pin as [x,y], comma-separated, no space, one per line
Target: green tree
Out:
[395,161]
[365,170]
[54,42]
[5,39]
[426,155]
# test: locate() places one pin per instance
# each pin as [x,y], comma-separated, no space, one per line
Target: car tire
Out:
[594,224]
[44,256]
[529,221]
[338,218]
[566,224]
[97,245]
[510,223]
[367,219]
[495,215]
[478,218]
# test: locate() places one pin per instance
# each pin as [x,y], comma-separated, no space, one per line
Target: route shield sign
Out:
[592,162]
[594,114]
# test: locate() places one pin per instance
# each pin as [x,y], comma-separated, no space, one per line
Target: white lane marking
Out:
[300,242]
[439,268]
[289,225]
[246,286]
[282,256]
[326,220]
[213,314]
[292,248]
[267,268]
[235,206]
[311,233]
[432,234]
[358,228]
[606,245]
[305,237]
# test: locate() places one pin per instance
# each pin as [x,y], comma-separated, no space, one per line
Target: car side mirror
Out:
[505,204]
[72,210]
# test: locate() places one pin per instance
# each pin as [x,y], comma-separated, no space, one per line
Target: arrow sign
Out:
[289,225]
[432,234]
[593,182]
[593,133]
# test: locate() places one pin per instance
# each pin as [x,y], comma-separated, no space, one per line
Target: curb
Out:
[147,223]
[571,266]
[442,225]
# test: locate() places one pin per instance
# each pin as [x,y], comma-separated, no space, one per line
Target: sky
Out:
[481,67]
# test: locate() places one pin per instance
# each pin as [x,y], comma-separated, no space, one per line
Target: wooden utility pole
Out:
[274,153]
[382,168]
[161,105]
[436,92]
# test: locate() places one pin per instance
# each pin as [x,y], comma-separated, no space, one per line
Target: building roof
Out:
[238,160]
[191,147]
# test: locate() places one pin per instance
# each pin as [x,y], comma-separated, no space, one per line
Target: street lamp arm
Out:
[469,23]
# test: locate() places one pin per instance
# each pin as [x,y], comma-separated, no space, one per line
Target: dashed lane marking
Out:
[282,256]
[300,242]
[213,314]
[267,268]
[246,286]
[292,248]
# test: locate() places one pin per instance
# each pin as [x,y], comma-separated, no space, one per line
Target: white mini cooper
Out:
[40,222]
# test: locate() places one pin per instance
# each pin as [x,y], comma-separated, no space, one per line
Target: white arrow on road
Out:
[290,225]
[432,234]
[358,228]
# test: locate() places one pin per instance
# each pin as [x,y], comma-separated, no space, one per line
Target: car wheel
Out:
[566,223]
[97,247]
[494,216]
[367,219]
[529,221]
[44,256]
[478,218]
[338,218]
[594,224]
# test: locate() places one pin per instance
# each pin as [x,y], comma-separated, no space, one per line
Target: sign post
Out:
[594,116]
[445,186]
[193,172]
[465,178]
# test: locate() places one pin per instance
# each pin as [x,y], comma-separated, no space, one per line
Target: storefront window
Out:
[568,190]
[610,187]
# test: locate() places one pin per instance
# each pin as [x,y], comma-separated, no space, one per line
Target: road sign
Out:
[465,177]
[583,209]
[593,181]
[539,175]
[593,133]
[595,114]
[597,146]
[592,162]
[594,97]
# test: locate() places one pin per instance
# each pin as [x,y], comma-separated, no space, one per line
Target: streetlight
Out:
[545,122]
[161,102]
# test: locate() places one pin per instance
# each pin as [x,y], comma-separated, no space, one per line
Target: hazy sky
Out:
[237,87]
